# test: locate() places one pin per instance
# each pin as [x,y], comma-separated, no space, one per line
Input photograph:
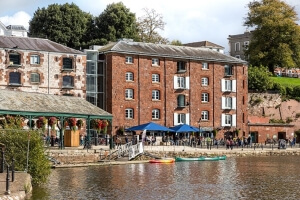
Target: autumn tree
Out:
[276,36]
[65,24]
[116,22]
[148,26]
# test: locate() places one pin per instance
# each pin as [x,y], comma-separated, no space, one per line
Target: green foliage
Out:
[289,120]
[16,143]
[176,43]
[276,37]
[286,81]
[65,24]
[116,22]
[278,121]
[259,79]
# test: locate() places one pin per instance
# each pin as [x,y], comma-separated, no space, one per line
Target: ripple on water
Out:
[235,178]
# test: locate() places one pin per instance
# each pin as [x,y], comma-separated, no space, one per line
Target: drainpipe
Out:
[48,73]
[165,86]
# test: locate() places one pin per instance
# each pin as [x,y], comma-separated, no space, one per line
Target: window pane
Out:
[68,81]
[14,59]
[34,59]
[34,78]
[14,78]
[91,67]
[67,63]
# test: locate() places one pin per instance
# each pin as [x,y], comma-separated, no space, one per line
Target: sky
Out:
[186,21]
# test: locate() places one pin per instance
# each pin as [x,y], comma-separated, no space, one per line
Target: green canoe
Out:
[201,158]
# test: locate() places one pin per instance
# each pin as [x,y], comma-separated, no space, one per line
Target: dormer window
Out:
[228,70]
[155,62]
[67,64]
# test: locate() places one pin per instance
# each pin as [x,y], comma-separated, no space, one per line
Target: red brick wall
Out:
[142,85]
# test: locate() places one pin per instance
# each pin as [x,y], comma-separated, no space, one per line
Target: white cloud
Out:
[20,18]
[187,21]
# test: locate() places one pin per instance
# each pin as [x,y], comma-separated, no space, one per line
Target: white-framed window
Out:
[155,114]
[246,45]
[181,66]
[129,59]
[129,113]
[155,95]
[155,78]
[229,103]
[204,65]
[181,82]
[204,81]
[34,77]
[181,118]
[129,76]
[204,115]
[228,120]
[35,59]
[228,70]
[237,46]
[228,85]
[204,97]
[128,93]
[155,62]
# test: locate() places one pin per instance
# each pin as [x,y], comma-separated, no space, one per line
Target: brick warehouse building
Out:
[43,66]
[170,85]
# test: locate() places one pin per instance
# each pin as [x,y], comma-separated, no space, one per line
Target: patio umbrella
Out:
[184,128]
[151,126]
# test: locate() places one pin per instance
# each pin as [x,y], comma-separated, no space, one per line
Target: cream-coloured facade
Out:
[43,66]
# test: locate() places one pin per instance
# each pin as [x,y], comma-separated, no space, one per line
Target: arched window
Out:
[155,95]
[129,76]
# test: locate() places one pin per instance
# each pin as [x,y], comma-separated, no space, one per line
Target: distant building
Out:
[206,44]
[40,65]
[170,85]
[292,72]
[13,30]
[238,44]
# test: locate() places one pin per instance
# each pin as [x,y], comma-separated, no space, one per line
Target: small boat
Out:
[166,160]
[201,158]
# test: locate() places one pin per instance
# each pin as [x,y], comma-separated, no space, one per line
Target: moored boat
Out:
[201,158]
[166,160]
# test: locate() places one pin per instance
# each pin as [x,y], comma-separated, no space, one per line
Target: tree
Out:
[148,26]
[259,79]
[116,22]
[276,38]
[65,24]
[16,143]
[176,42]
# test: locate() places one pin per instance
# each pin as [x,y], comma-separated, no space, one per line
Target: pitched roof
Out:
[48,105]
[203,44]
[161,50]
[35,44]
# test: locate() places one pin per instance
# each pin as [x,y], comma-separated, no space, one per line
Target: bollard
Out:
[254,146]
[272,146]
[262,147]
[7,181]
[2,161]
[13,170]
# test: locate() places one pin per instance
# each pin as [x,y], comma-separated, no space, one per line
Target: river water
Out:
[274,177]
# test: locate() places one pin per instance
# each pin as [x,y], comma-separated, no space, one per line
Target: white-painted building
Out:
[13,30]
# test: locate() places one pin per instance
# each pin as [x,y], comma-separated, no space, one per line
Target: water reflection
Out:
[234,178]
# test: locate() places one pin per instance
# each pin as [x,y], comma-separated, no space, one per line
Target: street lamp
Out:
[199,122]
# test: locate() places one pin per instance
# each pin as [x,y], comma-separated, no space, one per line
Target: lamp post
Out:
[199,122]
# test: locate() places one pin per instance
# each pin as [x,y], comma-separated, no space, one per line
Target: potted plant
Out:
[72,123]
[41,123]
[51,122]
[71,136]
[79,123]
